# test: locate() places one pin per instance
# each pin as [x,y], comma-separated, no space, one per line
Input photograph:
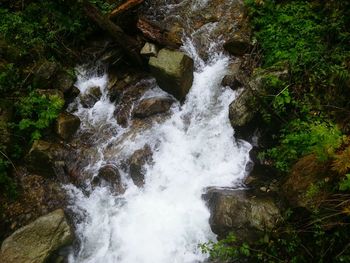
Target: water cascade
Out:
[193,148]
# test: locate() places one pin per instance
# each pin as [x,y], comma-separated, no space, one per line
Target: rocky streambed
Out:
[145,164]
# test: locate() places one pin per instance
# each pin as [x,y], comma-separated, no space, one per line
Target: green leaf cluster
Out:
[299,138]
[37,112]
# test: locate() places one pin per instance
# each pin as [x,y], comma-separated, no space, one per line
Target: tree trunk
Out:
[124,7]
[129,45]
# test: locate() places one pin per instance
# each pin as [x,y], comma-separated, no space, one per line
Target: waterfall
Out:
[193,149]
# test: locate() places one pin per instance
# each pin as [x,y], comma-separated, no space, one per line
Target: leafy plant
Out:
[9,77]
[344,185]
[225,249]
[37,112]
[299,138]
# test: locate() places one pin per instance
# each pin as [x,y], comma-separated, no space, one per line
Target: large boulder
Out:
[242,213]
[173,71]
[38,241]
[246,106]
[66,125]
[151,106]
[242,109]
[46,158]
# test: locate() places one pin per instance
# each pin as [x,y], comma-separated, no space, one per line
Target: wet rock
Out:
[127,98]
[238,45]
[238,211]
[91,96]
[149,50]
[36,242]
[45,158]
[232,81]
[137,160]
[116,90]
[66,125]
[245,107]
[151,106]
[242,109]
[173,71]
[306,174]
[44,74]
[109,175]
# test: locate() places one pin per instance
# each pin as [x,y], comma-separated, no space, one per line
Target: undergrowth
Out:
[306,109]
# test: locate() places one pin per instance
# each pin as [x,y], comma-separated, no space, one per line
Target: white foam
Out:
[165,220]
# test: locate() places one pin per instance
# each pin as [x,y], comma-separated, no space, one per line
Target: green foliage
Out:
[225,249]
[43,26]
[311,38]
[37,112]
[104,6]
[295,242]
[344,185]
[9,78]
[299,138]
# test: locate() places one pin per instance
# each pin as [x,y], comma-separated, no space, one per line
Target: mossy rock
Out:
[38,241]
[173,71]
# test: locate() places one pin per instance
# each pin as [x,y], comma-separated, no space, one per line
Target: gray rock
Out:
[149,50]
[151,106]
[66,125]
[173,71]
[235,76]
[38,241]
[242,109]
[137,160]
[237,211]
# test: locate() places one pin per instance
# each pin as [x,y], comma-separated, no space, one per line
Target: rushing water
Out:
[194,148]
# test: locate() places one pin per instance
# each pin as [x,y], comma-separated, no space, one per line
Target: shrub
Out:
[37,112]
[299,138]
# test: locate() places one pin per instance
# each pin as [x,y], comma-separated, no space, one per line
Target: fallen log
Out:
[128,44]
[125,7]
[159,34]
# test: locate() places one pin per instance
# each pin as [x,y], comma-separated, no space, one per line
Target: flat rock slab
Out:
[36,242]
